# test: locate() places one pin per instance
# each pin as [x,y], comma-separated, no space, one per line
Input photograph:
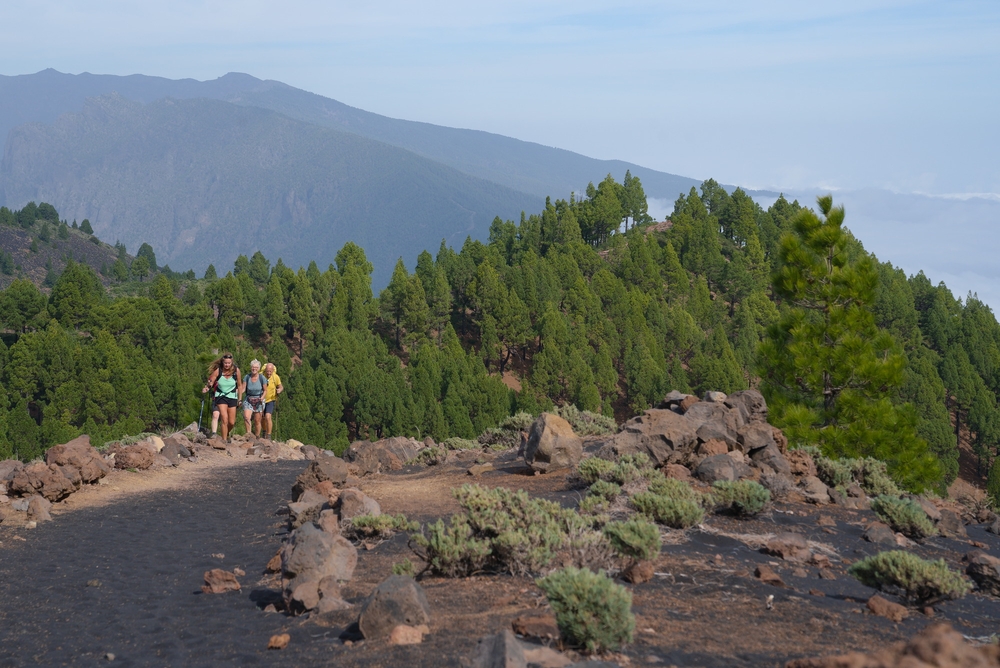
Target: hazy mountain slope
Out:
[204,180]
[525,166]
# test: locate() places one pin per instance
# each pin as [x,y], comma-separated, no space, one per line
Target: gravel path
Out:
[147,555]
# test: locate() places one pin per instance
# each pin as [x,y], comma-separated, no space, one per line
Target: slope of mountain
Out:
[204,180]
[525,166]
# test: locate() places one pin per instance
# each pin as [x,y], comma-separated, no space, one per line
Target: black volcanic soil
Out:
[149,550]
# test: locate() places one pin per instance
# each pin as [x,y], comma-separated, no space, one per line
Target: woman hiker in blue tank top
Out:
[225,381]
[253,388]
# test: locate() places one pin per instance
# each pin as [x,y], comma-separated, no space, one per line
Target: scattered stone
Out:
[307,508]
[887,609]
[771,457]
[995,527]
[217,443]
[20,505]
[38,508]
[479,469]
[311,452]
[755,436]
[928,506]
[951,524]
[312,552]
[790,547]
[292,443]
[328,521]
[354,502]
[712,447]
[499,651]
[9,468]
[984,569]
[766,574]
[546,657]
[175,448]
[397,600]
[816,592]
[407,635]
[329,596]
[541,626]
[880,534]
[552,444]
[815,490]
[827,574]
[714,397]
[30,524]
[720,467]
[279,641]
[218,581]
[826,521]
[332,469]
[274,565]
[780,439]
[639,572]
[800,573]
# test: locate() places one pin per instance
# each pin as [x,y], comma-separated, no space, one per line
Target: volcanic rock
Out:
[662,434]
[750,403]
[218,581]
[397,600]
[38,508]
[47,480]
[354,502]
[79,454]
[984,569]
[333,469]
[720,467]
[552,444]
[499,651]
[887,609]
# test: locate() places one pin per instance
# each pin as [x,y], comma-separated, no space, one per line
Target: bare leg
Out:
[215,420]
[267,424]
[246,419]
[256,424]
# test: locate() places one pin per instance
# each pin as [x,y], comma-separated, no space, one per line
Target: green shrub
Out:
[903,515]
[456,443]
[673,512]
[676,489]
[404,567]
[592,611]
[993,483]
[923,581]
[452,550]
[593,505]
[507,434]
[604,489]
[380,526]
[870,473]
[744,497]
[432,456]
[594,469]
[586,423]
[635,538]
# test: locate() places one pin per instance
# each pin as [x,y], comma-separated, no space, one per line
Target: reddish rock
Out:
[80,455]
[137,456]
[662,434]
[984,569]
[274,565]
[47,480]
[541,626]
[639,572]
[678,472]
[279,641]
[218,581]
[38,508]
[325,469]
[712,447]
[552,444]
[780,439]
[687,402]
[887,609]
[801,463]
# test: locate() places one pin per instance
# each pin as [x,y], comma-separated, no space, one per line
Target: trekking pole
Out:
[201,412]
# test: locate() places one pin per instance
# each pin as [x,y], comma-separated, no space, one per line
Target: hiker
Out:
[274,388]
[224,380]
[253,388]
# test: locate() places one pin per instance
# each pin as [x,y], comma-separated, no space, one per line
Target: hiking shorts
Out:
[225,401]
[248,406]
[269,408]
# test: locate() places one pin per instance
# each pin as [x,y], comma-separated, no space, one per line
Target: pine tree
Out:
[85,227]
[827,368]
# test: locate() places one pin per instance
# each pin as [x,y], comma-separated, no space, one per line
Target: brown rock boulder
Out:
[9,468]
[755,436]
[218,581]
[721,467]
[790,547]
[137,456]
[317,554]
[887,609]
[662,434]
[750,404]
[354,502]
[82,456]
[387,454]
[38,508]
[332,469]
[48,480]
[552,444]
[397,600]
[801,463]
[984,569]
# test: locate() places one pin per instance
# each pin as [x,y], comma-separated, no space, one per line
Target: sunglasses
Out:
[227,357]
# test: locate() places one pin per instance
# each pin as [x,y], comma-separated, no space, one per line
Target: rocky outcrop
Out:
[308,559]
[552,444]
[332,469]
[984,569]
[139,456]
[662,434]
[354,502]
[52,481]
[387,454]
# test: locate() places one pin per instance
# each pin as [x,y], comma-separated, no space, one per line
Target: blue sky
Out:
[790,95]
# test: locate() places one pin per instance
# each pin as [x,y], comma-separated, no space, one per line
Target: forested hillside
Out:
[564,305]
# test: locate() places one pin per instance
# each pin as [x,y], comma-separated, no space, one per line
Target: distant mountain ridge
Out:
[205,170]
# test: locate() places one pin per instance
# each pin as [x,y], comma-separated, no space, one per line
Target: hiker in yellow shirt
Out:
[271,393]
